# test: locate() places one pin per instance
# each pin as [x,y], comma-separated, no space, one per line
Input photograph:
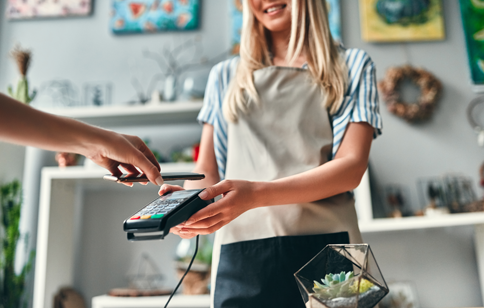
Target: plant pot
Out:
[363,288]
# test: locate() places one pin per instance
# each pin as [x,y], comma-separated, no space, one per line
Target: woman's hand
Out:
[128,152]
[238,196]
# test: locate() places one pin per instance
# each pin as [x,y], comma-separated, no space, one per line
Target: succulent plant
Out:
[340,285]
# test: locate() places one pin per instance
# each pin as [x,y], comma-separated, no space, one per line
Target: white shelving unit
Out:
[110,116]
[60,221]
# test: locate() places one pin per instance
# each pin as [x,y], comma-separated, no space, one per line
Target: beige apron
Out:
[289,132]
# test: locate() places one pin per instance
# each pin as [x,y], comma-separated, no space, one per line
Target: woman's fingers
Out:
[207,212]
[215,190]
[143,158]
[165,188]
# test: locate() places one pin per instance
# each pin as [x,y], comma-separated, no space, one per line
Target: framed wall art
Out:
[141,16]
[235,11]
[473,23]
[401,20]
[28,9]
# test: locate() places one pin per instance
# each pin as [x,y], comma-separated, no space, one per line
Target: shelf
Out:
[91,179]
[181,301]
[412,223]
[139,115]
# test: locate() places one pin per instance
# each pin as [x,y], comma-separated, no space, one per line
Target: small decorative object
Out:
[448,193]
[97,94]
[135,16]
[173,62]
[401,20]
[473,21]
[145,275]
[68,298]
[235,13]
[58,93]
[194,85]
[184,155]
[475,116]
[429,85]
[396,197]
[402,295]
[64,159]
[342,276]
[197,280]
[13,284]
[27,9]
[145,279]
[23,58]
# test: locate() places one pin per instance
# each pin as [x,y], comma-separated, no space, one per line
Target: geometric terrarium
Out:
[342,276]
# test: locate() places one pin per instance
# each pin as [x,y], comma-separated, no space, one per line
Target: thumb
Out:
[215,190]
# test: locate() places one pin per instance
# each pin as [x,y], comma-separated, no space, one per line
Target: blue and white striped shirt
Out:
[359,105]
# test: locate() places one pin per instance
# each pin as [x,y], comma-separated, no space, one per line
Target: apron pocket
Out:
[260,273]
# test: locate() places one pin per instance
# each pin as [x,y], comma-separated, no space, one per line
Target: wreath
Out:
[430,90]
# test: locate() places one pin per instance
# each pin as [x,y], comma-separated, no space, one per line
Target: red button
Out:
[134,218]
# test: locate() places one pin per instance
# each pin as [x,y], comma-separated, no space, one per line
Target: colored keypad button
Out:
[134,218]
[156,216]
[146,217]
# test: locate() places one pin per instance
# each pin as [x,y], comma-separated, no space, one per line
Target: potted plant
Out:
[12,284]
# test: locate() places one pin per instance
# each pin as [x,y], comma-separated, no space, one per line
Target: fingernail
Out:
[159,181]
[184,231]
[203,194]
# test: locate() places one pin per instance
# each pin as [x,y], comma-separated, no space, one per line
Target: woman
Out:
[287,128]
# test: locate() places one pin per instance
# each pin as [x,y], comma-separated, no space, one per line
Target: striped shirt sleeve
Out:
[360,103]
[212,113]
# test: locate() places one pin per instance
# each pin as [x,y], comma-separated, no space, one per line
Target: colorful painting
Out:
[401,20]
[235,8]
[473,22]
[138,16]
[26,9]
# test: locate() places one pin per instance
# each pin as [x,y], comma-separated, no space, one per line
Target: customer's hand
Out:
[127,152]
[238,196]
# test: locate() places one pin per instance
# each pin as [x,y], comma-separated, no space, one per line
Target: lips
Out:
[275,8]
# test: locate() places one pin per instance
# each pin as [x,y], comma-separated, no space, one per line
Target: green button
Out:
[156,216]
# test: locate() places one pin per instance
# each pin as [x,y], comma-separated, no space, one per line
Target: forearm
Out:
[339,175]
[24,125]
[330,179]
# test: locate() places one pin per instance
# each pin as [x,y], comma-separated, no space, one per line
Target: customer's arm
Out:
[21,124]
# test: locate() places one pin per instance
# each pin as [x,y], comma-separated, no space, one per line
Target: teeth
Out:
[275,8]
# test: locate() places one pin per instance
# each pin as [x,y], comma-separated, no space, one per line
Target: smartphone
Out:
[167,176]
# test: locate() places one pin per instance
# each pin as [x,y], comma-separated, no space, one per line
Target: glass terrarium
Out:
[342,276]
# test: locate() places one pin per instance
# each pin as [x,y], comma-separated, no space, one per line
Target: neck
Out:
[279,44]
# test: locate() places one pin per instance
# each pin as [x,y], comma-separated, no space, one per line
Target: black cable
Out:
[186,272]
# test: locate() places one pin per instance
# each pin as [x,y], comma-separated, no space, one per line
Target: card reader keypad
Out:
[157,209]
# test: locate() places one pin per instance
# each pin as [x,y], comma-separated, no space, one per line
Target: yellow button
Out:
[145,217]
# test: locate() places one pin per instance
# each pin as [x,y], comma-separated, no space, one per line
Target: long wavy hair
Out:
[310,36]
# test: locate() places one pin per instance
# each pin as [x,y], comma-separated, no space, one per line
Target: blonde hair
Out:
[310,35]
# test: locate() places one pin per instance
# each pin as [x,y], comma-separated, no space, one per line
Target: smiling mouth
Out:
[275,8]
